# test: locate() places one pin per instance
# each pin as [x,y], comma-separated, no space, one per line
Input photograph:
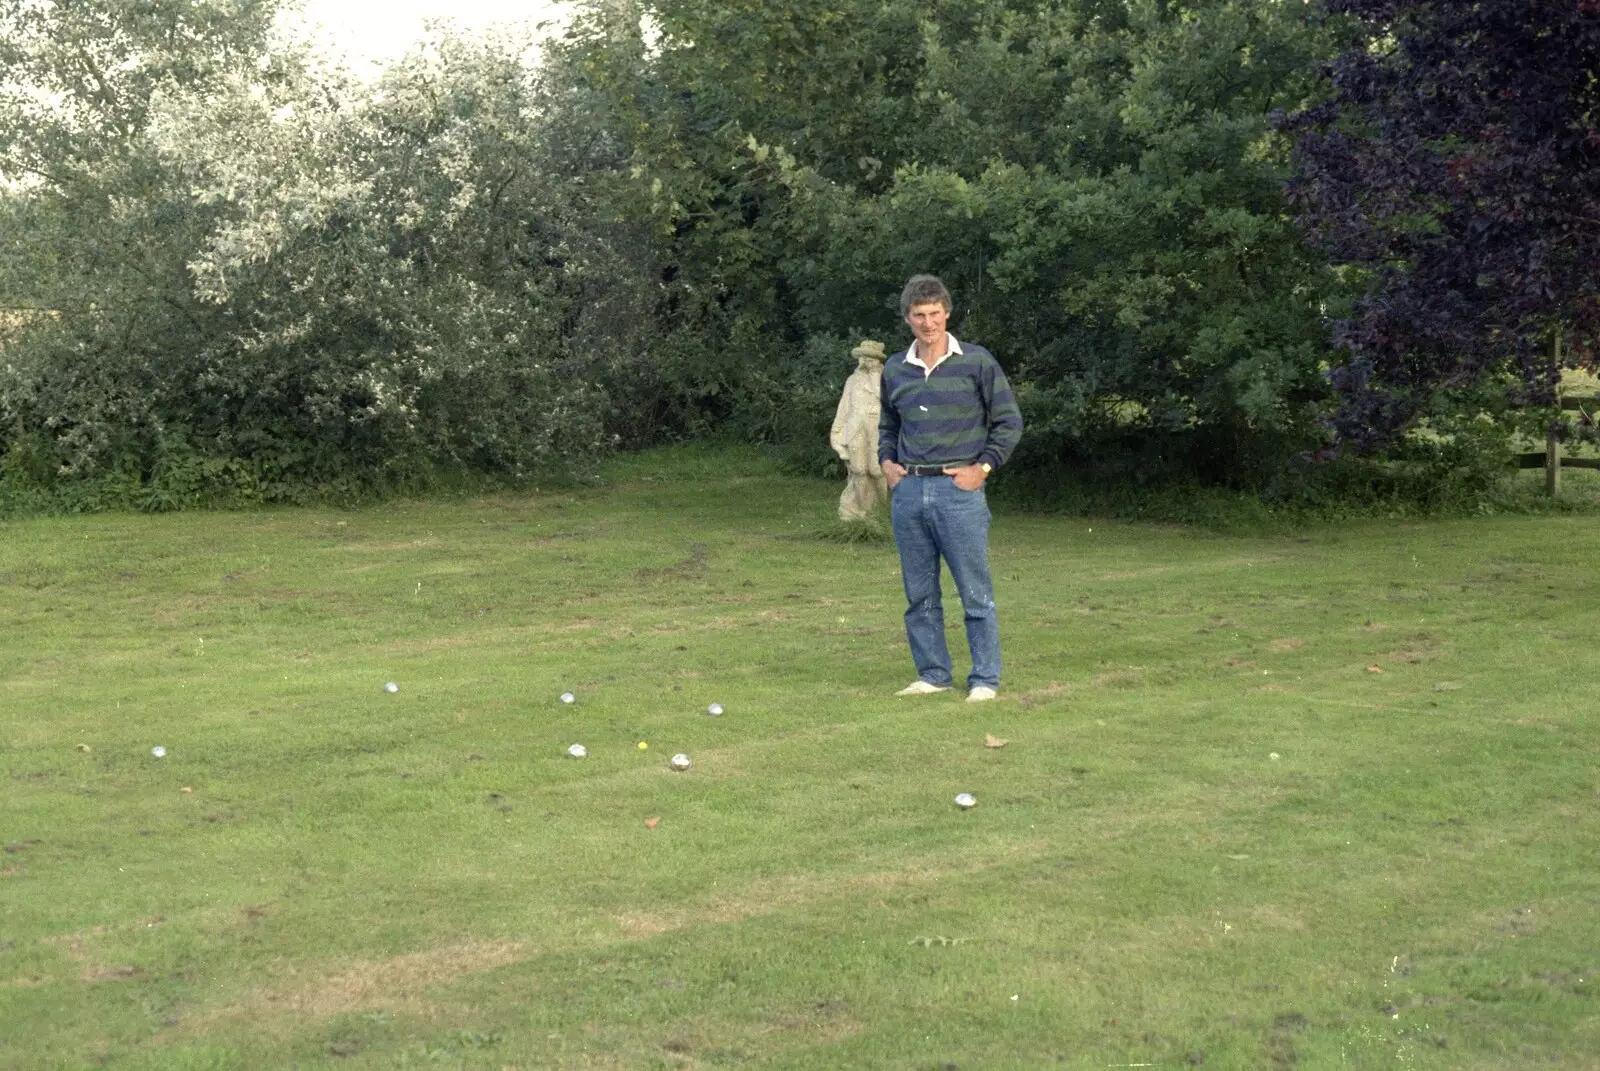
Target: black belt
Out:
[929,470]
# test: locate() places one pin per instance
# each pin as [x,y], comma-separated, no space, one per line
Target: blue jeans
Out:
[933,518]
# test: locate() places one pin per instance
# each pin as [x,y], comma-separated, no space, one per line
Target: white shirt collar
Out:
[953,350]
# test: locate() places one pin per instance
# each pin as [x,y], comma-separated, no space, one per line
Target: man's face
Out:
[927,323]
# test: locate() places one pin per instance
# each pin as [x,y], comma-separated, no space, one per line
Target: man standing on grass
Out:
[948,420]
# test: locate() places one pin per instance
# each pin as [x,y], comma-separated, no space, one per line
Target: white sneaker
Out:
[982,693]
[921,687]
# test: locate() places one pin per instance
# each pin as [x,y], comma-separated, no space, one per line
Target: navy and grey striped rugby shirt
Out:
[961,412]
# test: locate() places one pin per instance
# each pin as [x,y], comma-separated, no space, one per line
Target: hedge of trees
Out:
[236,273]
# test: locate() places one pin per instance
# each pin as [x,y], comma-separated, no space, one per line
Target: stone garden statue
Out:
[855,435]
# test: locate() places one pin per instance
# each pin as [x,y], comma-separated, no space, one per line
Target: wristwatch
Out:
[986,467]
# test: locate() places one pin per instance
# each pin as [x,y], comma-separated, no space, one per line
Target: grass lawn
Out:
[1321,800]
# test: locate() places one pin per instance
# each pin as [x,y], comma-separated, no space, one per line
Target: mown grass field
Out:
[1321,800]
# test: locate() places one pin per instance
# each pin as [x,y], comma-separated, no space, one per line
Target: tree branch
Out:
[107,97]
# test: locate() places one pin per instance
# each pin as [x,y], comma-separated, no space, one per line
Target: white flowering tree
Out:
[411,264]
[282,279]
[91,222]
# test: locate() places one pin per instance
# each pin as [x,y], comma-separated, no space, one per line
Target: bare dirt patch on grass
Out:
[693,565]
[397,985]
[1190,567]
[715,1039]
[82,949]
[78,946]
[1422,647]
[802,890]
[641,926]
[476,639]
[367,547]
[1032,697]
[1130,677]
[405,984]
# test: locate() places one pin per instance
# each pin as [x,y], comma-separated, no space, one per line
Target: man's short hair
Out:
[923,290]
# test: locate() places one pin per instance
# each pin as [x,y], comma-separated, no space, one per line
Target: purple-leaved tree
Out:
[1456,164]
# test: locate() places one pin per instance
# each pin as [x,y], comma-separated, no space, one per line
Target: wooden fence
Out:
[1551,459]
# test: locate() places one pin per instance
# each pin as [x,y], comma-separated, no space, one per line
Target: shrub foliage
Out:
[1099,183]
[240,274]
[1455,169]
